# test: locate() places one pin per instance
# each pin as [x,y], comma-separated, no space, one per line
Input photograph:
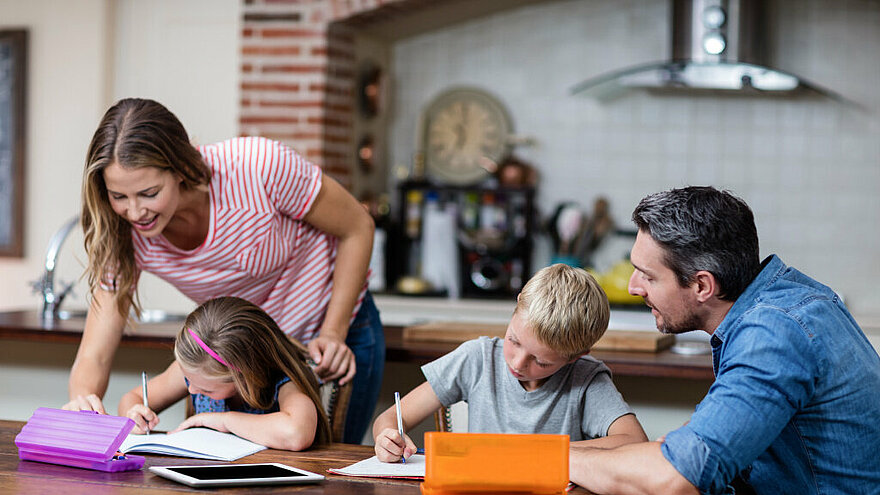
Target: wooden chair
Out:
[452,418]
[335,398]
[443,419]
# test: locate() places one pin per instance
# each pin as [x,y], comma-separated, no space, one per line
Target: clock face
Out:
[465,130]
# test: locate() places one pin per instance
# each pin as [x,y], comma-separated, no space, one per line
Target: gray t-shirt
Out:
[578,400]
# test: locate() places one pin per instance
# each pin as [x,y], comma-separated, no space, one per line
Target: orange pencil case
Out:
[479,463]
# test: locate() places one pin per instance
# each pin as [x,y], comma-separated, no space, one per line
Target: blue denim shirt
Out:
[795,407]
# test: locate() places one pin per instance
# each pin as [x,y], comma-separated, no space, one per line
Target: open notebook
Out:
[374,468]
[201,443]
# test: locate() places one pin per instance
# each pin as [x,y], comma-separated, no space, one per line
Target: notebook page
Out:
[201,443]
[374,468]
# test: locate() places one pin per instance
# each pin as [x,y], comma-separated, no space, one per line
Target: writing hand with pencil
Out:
[390,447]
[394,445]
[391,442]
[136,406]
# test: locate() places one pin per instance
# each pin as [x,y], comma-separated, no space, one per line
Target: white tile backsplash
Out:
[809,167]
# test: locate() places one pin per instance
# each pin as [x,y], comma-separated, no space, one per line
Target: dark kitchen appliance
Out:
[493,227]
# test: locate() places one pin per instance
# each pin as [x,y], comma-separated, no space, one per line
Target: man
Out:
[795,407]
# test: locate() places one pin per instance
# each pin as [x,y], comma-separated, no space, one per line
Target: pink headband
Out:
[210,352]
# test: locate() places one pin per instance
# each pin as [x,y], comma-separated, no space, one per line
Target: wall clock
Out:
[464,134]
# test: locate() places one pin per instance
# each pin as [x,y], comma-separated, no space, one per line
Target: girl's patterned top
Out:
[203,403]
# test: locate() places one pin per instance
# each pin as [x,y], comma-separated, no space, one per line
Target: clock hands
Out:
[461,126]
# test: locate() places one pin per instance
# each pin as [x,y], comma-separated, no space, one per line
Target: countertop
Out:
[396,313]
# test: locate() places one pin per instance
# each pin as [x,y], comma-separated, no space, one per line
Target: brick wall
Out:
[298,77]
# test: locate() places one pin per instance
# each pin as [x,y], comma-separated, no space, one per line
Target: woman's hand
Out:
[144,418]
[334,359]
[212,420]
[89,402]
[390,447]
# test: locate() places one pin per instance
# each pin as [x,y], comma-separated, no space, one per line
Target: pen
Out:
[146,401]
[399,420]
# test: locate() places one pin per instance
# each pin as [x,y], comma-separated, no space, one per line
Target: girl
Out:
[246,217]
[245,377]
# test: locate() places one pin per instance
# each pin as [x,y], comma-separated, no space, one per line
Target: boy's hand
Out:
[143,417]
[214,421]
[390,447]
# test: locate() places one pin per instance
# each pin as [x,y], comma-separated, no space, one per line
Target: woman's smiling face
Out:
[146,197]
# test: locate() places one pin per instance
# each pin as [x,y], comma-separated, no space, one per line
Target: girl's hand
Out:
[214,421]
[89,402]
[334,359]
[390,447]
[144,418]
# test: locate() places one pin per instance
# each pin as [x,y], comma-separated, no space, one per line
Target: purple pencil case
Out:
[82,439]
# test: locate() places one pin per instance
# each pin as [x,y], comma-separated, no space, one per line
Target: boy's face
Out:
[529,360]
[215,388]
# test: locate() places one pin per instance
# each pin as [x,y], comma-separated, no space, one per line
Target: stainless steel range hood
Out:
[717,45]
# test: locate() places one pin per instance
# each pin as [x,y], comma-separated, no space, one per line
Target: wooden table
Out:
[26,325]
[25,477]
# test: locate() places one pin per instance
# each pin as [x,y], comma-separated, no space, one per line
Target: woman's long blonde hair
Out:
[134,133]
[255,348]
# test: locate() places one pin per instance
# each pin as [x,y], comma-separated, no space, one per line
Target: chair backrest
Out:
[335,398]
[443,419]
[453,418]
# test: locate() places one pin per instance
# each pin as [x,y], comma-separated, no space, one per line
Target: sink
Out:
[147,316]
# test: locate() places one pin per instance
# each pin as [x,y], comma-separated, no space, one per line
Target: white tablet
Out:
[236,474]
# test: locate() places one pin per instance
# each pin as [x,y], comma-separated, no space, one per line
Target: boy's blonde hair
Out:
[565,308]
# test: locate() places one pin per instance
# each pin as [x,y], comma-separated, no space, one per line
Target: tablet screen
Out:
[236,472]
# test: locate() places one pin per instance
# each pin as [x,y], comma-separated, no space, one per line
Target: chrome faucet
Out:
[45,286]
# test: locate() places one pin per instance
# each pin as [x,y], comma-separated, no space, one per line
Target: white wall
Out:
[66,95]
[810,169]
[85,55]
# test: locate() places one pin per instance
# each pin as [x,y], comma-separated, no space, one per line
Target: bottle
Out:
[378,267]
[413,214]
[488,212]
[377,261]
[519,218]
[413,231]
[470,211]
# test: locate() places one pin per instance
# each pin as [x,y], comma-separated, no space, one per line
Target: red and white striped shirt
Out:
[257,248]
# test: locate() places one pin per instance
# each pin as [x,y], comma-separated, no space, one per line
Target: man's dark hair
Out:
[702,228]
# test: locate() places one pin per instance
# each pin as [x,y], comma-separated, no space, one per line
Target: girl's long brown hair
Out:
[134,133]
[259,352]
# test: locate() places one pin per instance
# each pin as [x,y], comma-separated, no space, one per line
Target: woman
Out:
[247,217]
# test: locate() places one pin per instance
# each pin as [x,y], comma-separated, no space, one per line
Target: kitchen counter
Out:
[397,313]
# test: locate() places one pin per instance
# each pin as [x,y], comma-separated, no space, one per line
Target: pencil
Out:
[146,400]
[399,421]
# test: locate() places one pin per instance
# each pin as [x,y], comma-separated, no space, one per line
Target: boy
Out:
[536,380]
